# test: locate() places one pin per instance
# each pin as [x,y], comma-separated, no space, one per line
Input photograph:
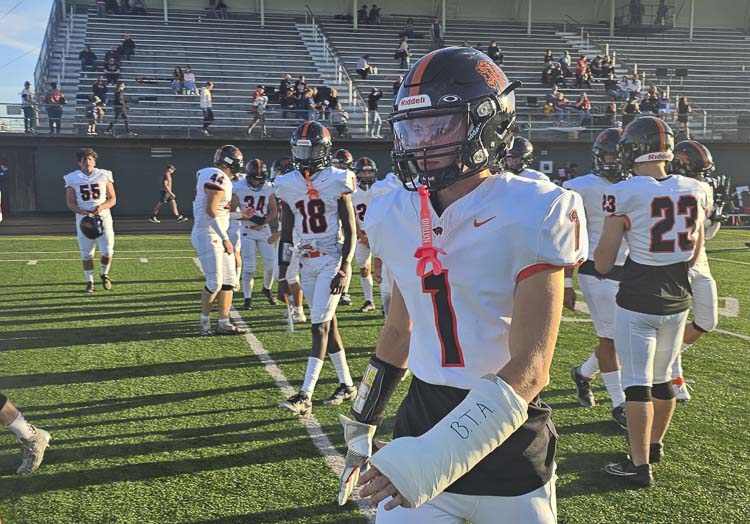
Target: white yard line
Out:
[730,261]
[78,259]
[314,429]
[31,262]
[725,332]
[144,261]
[118,251]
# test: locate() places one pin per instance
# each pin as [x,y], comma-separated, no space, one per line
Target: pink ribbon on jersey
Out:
[311,191]
[427,254]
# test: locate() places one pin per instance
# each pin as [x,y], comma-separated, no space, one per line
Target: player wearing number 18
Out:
[90,194]
[661,219]
[316,203]
[472,439]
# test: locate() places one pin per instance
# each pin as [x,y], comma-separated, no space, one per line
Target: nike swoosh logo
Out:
[483,222]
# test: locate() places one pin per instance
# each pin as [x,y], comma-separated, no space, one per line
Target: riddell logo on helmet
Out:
[659,156]
[413,102]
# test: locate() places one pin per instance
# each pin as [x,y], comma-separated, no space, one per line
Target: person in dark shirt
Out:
[397,84]
[112,71]
[286,83]
[374,15]
[548,58]
[121,110]
[114,53]
[127,47]
[88,59]
[362,15]
[99,88]
[494,52]
[372,108]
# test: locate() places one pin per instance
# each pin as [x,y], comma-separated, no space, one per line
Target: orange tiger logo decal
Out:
[493,76]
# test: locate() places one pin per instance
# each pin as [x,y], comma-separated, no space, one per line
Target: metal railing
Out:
[42,65]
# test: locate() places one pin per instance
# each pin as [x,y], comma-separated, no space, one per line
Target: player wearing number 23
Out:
[473,442]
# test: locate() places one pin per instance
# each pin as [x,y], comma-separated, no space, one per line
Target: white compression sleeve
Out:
[217,228]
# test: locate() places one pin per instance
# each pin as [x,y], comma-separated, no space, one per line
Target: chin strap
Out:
[427,254]
[311,191]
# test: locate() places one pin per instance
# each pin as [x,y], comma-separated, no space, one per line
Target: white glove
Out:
[358,436]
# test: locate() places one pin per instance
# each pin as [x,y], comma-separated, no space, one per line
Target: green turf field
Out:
[153,424]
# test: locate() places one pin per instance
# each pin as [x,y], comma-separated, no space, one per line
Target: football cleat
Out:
[618,415]
[106,282]
[230,329]
[640,475]
[269,296]
[207,332]
[247,305]
[583,387]
[182,219]
[346,300]
[368,306]
[681,392]
[89,287]
[154,220]
[299,318]
[299,404]
[32,451]
[655,452]
[340,394]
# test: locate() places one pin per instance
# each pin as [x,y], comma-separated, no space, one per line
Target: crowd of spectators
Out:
[111,7]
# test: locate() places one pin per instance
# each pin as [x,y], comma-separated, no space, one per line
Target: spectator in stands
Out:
[286,83]
[372,107]
[584,109]
[436,34]
[581,68]
[630,110]
[189,85]
[306,106]
[112,7]
[221,10]
[623,87]
[300,86]
[611,115]
[408,30]
[362,15]
[54,101]
[99,89]
[397,84]
[125,7]
[94,114]
[128,47]
[206,107]
[548,74]
[87,58]
[287,101]
[178,80]
[661,13]
[635,86]
[364,68]
[552,95]
[650,104]
[495,53]
[403,53]
[28,106]
[565,63]
[558,75]
[596,67]
[683,110]
[374,16]
[611,86]
[636,12]
[121,110]
[607,67]
[334,98]
[561,107]
[260,102]
[665,106]
[478,47]
[339,119]
[113,53]
[548,58]
[139,7]
[112,71]
[101,7]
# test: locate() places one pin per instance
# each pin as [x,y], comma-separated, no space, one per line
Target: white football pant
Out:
[106,242]
[600,298]
[218,266]
[316,275]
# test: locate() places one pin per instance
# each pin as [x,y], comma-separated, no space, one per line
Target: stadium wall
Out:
[38,164]
[733,13]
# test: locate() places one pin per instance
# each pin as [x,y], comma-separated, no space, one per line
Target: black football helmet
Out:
[453,117]
[229,156]
[282,166]
[522,151]
[311,146]
[645,139]
[366,171]
[606,145]
[343,159]
[693,159]
[92,226]
[257,174]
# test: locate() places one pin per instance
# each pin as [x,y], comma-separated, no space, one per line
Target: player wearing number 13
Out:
[661,219]
[90,194]
[472,439]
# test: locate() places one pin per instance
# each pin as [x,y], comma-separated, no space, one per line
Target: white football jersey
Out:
[502,232]
[211,178]
[533,174]
[361,201]
[249,197]
[599,202]
[701,261]
[90,190]
[661,217]
[316,220]
[386,185]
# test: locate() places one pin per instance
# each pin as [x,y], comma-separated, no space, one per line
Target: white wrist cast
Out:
[568,282]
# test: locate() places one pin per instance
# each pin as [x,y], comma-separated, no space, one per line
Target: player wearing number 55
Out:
[472,441]
[90,194]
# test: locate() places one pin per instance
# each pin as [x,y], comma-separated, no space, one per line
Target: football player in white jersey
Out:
[343,159]
[472,440]
[599,290]
[519,158]
[694,160]
[259,233]
[90,194]
[34,441]
[211,213]
[365,170]
[661,219]
[316,201]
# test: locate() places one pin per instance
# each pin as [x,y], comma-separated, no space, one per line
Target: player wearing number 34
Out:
[472,441]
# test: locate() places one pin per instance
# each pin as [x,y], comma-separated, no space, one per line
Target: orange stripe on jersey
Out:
[700,151]
[418,73]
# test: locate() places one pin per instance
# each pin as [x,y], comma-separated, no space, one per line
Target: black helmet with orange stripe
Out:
[311,146]
[605,157]
[343,159]
[519,156]
[453,117]
[693,159]
[229,156]
[645,139]
[282,166]
[257,173]
[366,171]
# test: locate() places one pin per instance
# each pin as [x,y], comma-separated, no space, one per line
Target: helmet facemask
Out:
[365,178]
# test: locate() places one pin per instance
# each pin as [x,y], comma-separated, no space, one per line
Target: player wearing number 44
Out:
[472,441]
[90,194]
[316,202]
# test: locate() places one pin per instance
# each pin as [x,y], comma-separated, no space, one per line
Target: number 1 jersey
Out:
[502,232]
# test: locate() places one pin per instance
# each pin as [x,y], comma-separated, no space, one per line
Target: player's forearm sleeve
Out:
[217,228]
